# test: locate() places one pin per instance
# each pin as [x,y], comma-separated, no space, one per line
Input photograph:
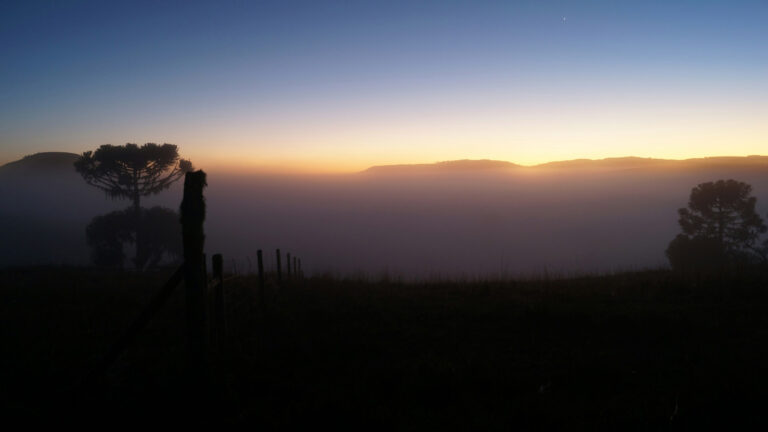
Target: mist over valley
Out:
[449,219]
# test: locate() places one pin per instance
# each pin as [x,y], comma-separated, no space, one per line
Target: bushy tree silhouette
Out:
[131,172]
[719,226]
[108,234]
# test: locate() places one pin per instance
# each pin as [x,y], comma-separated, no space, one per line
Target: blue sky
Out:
[341,85]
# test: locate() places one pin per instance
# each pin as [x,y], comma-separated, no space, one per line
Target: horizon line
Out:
[296,168]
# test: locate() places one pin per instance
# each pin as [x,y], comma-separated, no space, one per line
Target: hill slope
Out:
[41,162]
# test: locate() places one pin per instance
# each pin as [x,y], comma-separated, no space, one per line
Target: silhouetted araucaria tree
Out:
[131,171]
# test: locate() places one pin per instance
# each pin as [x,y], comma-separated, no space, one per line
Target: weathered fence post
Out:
[279,270]
[301,273]
[295,267]
[218,297]
[192,218]
[288,265]
[260,265]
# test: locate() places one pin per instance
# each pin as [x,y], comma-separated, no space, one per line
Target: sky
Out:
[337,86]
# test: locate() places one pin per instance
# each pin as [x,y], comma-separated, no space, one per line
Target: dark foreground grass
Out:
[640,351]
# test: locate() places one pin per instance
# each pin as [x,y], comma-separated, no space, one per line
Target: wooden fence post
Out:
[279,270]
[301,273]
[295,267]
[192,218]
[260,264]
[218,297]
[288,265]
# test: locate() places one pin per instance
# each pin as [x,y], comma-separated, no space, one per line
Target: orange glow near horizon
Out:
[345,140]
[344,154]
[343,134]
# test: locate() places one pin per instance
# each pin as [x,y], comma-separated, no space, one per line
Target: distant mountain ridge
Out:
[619,163]
[456,165]
[64,162]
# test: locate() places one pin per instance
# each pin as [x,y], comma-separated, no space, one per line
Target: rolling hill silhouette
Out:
[46,162]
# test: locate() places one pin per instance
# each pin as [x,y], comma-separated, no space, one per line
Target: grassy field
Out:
[641,351]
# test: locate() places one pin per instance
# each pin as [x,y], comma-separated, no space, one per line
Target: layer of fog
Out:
[486,223]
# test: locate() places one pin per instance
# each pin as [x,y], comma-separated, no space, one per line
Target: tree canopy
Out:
[723,210]
[131,171]
[720,224]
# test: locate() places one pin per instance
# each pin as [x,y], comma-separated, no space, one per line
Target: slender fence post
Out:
[288,265]
[205,268]
[260,264]
[208,304]
[192,218]
[218,298]
[207,300]
[295,267]
[279,270]
[301,273]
